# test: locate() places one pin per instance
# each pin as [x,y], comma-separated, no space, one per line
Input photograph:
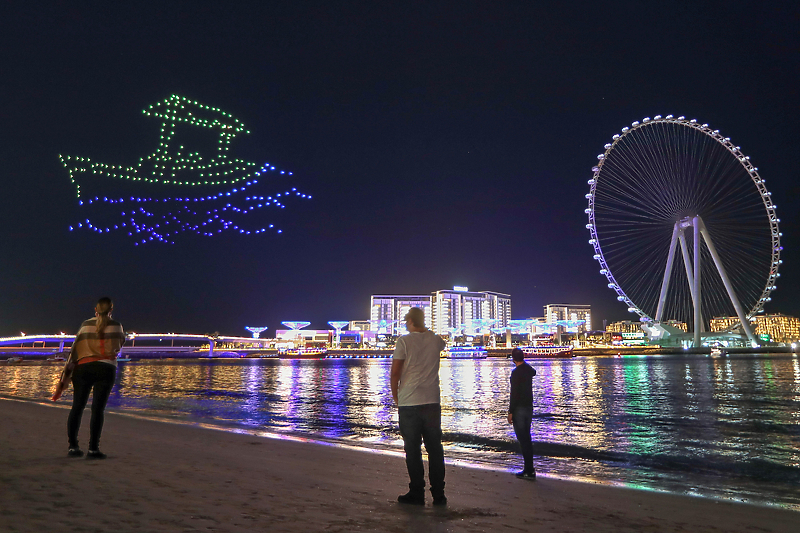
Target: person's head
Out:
[103,312]
[415,318]
[517,355]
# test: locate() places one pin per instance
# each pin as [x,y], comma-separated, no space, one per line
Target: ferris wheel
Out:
[682,224]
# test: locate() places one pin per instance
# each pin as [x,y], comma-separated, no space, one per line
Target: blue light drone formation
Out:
[176,189]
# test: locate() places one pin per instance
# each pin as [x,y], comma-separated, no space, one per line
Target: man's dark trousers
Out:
[523,416]
[420,423]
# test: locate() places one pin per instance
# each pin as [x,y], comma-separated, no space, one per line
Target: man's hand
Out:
[510,418]
[397,371]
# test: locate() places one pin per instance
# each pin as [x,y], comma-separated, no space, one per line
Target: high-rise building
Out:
[468,310]
[387,311]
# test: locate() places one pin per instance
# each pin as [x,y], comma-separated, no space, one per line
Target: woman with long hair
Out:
[94,356]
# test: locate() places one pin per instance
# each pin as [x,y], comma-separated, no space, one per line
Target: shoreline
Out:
[167,476]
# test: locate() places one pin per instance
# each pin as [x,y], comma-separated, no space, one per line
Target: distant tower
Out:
[338,325]
[255,331]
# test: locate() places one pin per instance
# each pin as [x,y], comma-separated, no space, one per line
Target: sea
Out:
[714,427]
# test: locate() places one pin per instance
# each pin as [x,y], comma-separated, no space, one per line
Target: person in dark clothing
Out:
[520,409]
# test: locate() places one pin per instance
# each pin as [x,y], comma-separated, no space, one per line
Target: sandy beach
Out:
[161,476]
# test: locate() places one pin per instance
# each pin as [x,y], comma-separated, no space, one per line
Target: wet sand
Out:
[161,476]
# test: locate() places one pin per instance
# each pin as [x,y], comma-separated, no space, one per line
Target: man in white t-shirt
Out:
[415,389]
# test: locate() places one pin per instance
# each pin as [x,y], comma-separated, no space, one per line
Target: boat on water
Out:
[304,353]
[548,352]
[465,352]
[122,359]
[716,351]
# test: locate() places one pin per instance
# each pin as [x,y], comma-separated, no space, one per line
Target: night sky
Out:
[443,144]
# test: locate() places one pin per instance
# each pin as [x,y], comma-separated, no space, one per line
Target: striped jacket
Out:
[100,346]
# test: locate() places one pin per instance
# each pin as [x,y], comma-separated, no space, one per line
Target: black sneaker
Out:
[411,499]
[440,500]
[75,452]
[526,475]
[95,454]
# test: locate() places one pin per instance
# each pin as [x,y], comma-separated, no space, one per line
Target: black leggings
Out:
[100,376]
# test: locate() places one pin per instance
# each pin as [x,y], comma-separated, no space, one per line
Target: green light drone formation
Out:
[176,189]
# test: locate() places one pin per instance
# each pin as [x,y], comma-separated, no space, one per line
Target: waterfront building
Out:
[471,310]
[387,311]
[628,326]
[569,312]
[770,328]
[677,324]
[305,337]
[359,325]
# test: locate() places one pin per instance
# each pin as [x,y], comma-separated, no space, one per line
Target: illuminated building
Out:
[305,337]
[770,328]
[472,310]
[624,326]
[572,313]
[445,311]
[627,326]
[387,311]
[676,324]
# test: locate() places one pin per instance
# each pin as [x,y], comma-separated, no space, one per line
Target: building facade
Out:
[461,311]
[387,311]
[775,327]
[630,326]
[571,313]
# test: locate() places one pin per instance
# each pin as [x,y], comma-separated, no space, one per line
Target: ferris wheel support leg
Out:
[727,282]
[687,262]
[667,273]
[698,319]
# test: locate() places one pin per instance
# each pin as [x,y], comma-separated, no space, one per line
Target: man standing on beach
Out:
[415,389]
[520,409]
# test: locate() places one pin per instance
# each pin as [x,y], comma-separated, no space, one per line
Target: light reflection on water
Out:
[715,426]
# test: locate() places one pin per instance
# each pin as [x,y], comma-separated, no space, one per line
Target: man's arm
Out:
[397,370]
[512,397]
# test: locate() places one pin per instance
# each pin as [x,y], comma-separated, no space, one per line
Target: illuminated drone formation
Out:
[176,189]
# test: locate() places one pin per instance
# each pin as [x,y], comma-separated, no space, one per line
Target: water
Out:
[720,427]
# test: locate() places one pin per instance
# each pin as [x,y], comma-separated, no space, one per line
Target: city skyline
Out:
[435,146]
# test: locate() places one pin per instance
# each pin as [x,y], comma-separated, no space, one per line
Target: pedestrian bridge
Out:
[62,340]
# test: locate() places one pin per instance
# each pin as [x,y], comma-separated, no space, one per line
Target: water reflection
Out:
[723,426]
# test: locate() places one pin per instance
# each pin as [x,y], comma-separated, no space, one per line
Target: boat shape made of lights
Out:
[178,189]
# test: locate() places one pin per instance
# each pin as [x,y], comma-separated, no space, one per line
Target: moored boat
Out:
[465,352]
[548,352]
[304,353]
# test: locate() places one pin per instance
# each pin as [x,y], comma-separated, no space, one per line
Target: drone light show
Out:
[177,189]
